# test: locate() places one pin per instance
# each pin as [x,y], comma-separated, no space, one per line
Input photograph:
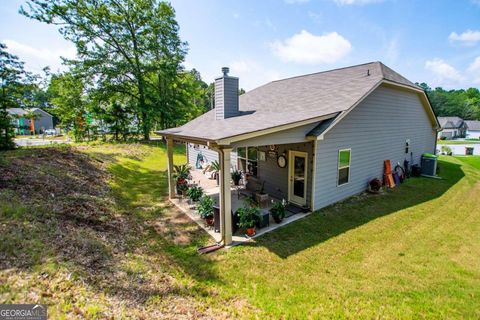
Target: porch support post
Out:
[171,183]
[225,196]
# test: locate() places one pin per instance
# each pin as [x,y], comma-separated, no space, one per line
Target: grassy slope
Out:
[410,253]
[138,259]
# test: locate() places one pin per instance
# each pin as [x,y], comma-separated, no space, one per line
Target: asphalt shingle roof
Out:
[450,122]
[292,100]
[473,125]
[17,111]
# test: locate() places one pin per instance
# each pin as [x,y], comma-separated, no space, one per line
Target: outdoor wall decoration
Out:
[261,156]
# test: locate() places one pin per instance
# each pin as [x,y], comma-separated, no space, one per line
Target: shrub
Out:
[195,193]
[248,216]
[278,210]
[446,150]
[181,171]
[205,207]
[236,176]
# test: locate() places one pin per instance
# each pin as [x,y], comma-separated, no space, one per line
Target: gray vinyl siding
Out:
[209,155]
[226,97]
[376,130]
[276,178]
[289,136]
[44,121]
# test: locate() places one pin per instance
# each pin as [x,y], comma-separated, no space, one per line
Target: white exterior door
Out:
[297,177]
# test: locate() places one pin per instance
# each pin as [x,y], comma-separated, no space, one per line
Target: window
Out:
[241,152]
[247,159]
[343,166]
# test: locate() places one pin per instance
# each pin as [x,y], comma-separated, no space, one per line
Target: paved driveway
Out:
[27,142]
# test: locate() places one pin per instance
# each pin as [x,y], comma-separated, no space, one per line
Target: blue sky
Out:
[436,41]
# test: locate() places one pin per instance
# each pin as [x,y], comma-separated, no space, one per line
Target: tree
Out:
[125,44]
[69,101]
[460,103]
[12,76]
[182,98]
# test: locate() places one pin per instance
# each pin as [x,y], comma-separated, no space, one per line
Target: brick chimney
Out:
[226,96]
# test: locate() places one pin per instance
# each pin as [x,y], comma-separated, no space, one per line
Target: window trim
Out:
[246,156]
[349,166]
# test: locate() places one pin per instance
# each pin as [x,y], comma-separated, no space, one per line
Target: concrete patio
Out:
[237,199]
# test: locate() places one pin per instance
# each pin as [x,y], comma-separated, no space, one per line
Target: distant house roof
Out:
[20,112]
[450,122]
[295,100]
[473,125]
[17,111]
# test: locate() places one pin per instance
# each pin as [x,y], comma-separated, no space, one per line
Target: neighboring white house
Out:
[473,129]
[452,127]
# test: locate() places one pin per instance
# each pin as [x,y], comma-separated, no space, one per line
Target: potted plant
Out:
[195,193]
[248,217]
[181,174]
[205,209]
[216,168]
[278,210]
[236,176]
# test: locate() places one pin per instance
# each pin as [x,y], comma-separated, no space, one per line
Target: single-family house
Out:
[452,128]
[24,124]
[313,139]
[473,129]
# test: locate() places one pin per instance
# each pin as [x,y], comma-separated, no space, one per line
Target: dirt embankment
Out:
[57,209]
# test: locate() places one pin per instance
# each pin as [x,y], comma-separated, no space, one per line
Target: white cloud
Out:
[474,69]
[37,58]
[355,2]
[307,48]
[443,72]
[469,37]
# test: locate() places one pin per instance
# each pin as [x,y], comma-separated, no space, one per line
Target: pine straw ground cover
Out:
[98,243]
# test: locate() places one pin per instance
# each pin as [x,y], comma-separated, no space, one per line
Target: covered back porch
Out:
[271,172]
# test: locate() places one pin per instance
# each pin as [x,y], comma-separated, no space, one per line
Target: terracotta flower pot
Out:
[209,221]
[251,231]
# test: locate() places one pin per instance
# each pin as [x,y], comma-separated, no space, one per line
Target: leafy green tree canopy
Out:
[120,43]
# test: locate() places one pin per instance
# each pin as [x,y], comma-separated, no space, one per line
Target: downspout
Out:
[314,174]
[437,127]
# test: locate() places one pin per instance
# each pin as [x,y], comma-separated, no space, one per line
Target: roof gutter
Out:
[253,134]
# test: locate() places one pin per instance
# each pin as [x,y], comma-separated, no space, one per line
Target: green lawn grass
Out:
[458,141]
[410,253]
[473,161]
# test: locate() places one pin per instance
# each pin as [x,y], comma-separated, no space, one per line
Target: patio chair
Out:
[253,185]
